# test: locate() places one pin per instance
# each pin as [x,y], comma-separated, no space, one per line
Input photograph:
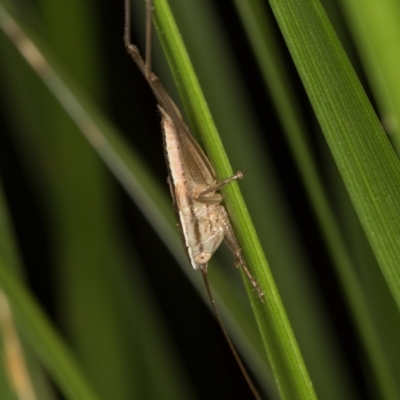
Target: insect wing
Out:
[202,230]
[196,165]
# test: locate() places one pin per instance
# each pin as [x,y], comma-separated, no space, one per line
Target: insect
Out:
[202,217]
[203,220]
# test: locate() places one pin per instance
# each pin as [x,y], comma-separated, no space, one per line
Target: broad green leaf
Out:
[363,154]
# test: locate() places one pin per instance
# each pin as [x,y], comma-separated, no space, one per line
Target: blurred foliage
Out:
[99,287]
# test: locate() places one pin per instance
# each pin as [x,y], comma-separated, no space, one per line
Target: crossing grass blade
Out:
[369,167]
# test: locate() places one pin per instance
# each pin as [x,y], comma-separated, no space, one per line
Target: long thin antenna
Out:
[239,361]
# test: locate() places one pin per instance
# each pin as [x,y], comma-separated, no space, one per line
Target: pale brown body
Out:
[203,219]
[201,223]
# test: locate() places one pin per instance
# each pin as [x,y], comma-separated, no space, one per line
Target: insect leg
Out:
[215,199]
[132,50]
[221,184]
[234,247]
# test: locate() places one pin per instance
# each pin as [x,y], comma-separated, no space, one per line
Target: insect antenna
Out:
[239,361]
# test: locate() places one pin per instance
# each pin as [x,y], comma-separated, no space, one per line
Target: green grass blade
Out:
[366,161]
[284,354]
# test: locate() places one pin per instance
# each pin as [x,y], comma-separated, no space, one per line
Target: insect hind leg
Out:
[234,247]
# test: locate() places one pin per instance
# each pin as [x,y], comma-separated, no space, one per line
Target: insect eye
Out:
[202,258]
